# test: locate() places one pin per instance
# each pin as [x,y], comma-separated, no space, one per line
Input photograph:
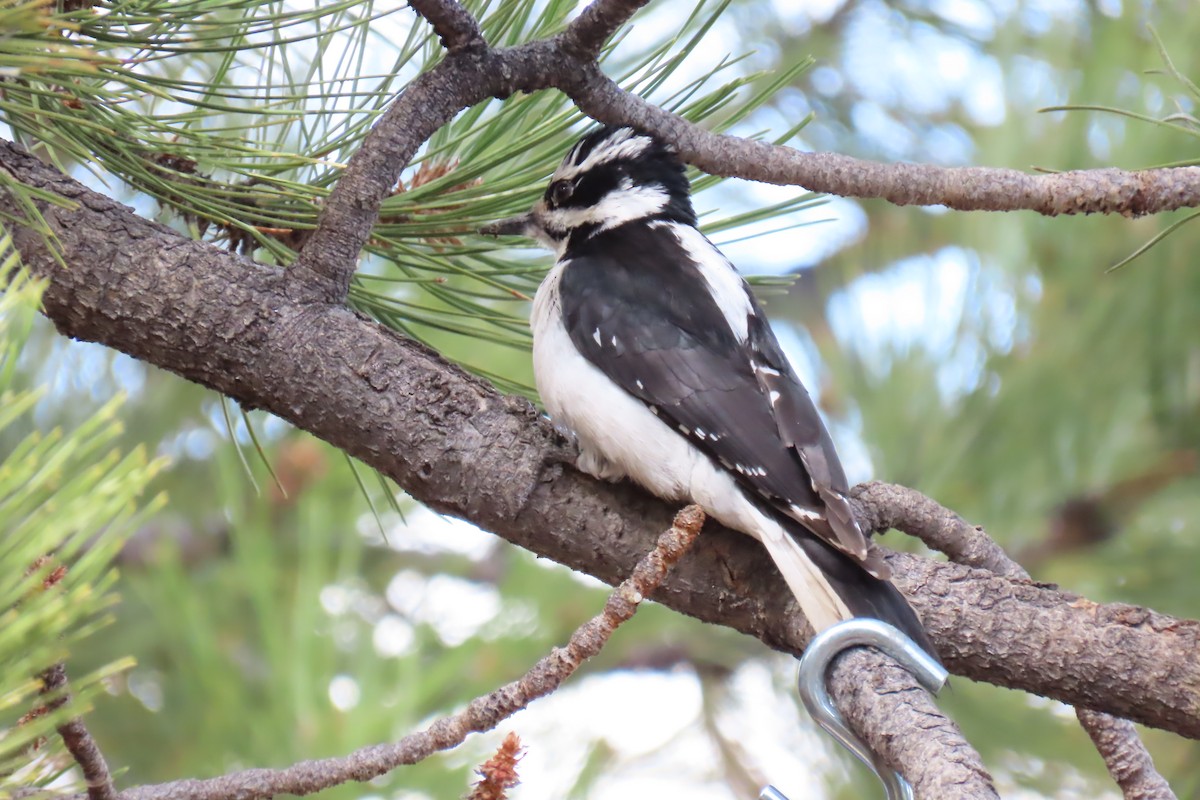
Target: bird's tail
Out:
[831,587]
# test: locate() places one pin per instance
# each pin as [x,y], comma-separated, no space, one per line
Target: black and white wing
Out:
[736,399]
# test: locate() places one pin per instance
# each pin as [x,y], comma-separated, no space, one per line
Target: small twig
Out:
[884,506]
[481,714]
[588,32]
[455,26]
[77,738]
[738,775]
[1090,191]
[472,72]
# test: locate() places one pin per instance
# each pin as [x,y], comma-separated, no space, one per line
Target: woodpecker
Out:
[650,348]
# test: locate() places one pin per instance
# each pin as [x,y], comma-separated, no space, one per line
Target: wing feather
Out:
[737,401]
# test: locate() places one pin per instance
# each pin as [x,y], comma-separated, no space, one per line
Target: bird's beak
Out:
[520,225]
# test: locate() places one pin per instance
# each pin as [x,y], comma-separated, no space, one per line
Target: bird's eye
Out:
[560,192]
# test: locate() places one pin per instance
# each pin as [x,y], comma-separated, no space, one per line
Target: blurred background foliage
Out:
[69,499]
[288,603]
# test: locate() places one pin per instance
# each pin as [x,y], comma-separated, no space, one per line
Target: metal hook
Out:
[815,664]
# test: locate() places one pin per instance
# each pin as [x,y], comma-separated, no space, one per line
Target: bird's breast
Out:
[616,433]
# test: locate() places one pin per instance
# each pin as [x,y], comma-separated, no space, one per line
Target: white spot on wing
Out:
[614,341]
[596,336]
[804,513]
[774,397]
[639,383]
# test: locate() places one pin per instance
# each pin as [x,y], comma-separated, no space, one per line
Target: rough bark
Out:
[77,739]
[269,340]
[939,763]
[885,506]
[1125,756]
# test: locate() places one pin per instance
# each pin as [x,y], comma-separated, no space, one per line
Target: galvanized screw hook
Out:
[815,664]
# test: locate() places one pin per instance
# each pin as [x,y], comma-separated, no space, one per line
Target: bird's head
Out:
[611,177]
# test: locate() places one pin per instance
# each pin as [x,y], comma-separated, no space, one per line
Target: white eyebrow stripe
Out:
[621,205]
[623,144]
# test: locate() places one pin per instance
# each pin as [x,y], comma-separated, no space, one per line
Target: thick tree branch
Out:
[249,331]
[454,25]
[481,714]
[938,763]
[588,32]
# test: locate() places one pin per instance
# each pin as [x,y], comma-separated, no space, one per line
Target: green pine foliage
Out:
[69,499]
